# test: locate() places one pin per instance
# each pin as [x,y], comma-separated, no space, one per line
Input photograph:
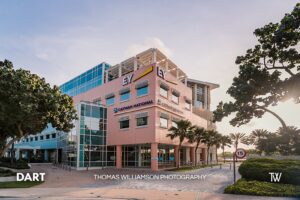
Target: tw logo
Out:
[275,177]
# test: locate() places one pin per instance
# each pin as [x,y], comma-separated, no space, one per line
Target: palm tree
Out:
[183,129]
[225,142]
[255,138]
[217,143]
[209,140]
[196,135]
[238,138]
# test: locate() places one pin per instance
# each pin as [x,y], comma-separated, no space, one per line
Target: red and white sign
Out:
[240,153]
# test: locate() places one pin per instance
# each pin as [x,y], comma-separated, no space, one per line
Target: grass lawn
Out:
[6,172]
[261,188]
[191,168]
[19,184]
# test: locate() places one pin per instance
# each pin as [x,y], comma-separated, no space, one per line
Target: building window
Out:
[163,120]
[125,96]
[47,137]
[31,139]
[175,96]
[187,105]
[36,138]
[110,101]
[41,137]
[53,135]
[174,124]
[124,122]
[141,119]
[163,90]
[27,140]
[142,88]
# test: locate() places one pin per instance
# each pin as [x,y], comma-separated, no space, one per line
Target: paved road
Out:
[63,184]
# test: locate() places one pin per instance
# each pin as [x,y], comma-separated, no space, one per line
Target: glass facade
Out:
[86,81]
[85,145]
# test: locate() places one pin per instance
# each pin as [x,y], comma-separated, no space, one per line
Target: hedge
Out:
[259,168]
[260,188]
[19,164]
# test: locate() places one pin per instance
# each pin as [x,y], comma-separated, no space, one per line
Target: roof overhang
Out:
[211,85]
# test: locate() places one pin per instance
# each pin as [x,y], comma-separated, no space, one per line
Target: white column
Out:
[195,95]
[135,64]
[185,81]
[106,76]
[205,97]
[154,56]
[120,71]
[167,65]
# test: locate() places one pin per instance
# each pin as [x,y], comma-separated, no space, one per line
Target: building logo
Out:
[144,103]
[127,79]
[147,71]
[275,177]
[161,73]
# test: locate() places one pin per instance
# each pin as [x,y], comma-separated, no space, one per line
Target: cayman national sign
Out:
[144,103]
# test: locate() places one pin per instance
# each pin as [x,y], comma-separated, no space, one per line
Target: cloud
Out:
[152,42]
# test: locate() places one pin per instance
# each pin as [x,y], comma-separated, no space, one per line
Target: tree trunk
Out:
[207,156]
[196,155]
[12,153]
[21,134]
[223,154]
[178,156]
[274,114]
[2,153]
[217,155]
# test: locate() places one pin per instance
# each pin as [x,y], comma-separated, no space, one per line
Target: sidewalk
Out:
[115,193]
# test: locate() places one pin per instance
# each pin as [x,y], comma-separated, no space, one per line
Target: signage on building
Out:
[144,103]
[161,73]
[168,106]
[127,79]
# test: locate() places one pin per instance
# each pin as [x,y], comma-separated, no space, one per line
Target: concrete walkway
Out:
[64,184]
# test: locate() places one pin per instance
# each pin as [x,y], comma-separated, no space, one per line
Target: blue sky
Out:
[60,39]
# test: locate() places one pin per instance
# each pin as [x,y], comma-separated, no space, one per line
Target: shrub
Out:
[19,164]
[6,172]
[260,188]
[259,168]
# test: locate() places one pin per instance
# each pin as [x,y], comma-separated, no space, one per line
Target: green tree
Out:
[28,103]
[277,50]
[253,91]
[238,138]
[225,141]
[269,72]
[255,138]
[288,141]
[196,135]
[209,140]
[182,131]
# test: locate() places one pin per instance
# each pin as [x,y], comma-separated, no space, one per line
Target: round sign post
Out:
[239,153]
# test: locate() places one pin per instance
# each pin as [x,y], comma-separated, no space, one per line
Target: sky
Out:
[60,39]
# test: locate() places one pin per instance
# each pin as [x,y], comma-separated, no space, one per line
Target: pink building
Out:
[145,95]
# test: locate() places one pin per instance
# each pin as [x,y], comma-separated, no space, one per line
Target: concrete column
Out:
[34,151]
[17,154]
[187,154]
[120,70]
[205,97]
[195,94]
[46,156]
[154,157]
[185,81]
[167,65]
[154,56]
[193,156]
[135,64]
[106,76]
[204,155]
[119,156]
[175,154]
